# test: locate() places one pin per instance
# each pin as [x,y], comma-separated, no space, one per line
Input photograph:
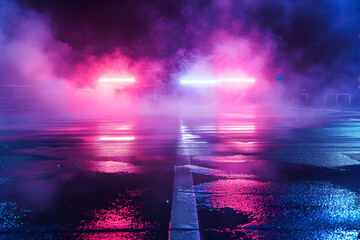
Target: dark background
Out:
[309,33]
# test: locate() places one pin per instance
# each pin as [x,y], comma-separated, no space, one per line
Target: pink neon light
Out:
[117,138]
[236,80]
[198,82]
[209,82]
[129,80]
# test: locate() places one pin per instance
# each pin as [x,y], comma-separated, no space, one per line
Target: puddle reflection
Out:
[121,215]
[320,207]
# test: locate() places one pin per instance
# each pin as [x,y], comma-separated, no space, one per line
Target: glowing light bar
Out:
[117,138]
[236,80]
[213,82]
[132,80]
[198,82]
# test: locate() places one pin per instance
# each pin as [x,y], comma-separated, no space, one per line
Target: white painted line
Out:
[184,219]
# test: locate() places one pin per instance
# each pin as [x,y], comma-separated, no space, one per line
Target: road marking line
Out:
[184,222]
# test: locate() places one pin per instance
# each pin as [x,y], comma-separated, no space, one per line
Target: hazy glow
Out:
[196,82]
[236,80]
[117,138]
[117,80]
[237,128]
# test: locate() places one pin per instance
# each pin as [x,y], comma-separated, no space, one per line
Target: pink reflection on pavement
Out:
[111,235]
[248,147]
[113,167]
[124,127]
[125,138]
[245,128]
[240,135]
[120,215]
[65,128]
[111,127]
[251,197]
[114,149]
[244,123]
[115,146]
[225,159]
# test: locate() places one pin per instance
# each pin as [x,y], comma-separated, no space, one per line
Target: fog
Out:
[59,65]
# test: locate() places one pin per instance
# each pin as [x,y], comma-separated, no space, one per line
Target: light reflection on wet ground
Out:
[256,176]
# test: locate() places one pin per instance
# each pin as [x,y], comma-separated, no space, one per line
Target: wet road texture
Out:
[202,174]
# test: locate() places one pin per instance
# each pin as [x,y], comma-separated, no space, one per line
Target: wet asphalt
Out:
[251,173]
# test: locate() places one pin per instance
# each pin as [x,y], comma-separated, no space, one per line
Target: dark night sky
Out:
[109,23]
[308,32]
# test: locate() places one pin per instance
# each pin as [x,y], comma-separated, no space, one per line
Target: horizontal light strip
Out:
[198,82]
[117,138]
[213,82]
[236,80]
[117,80]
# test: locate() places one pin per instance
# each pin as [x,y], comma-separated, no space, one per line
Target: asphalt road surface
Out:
[251,173]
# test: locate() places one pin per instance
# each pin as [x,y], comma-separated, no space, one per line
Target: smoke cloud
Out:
[67,46]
